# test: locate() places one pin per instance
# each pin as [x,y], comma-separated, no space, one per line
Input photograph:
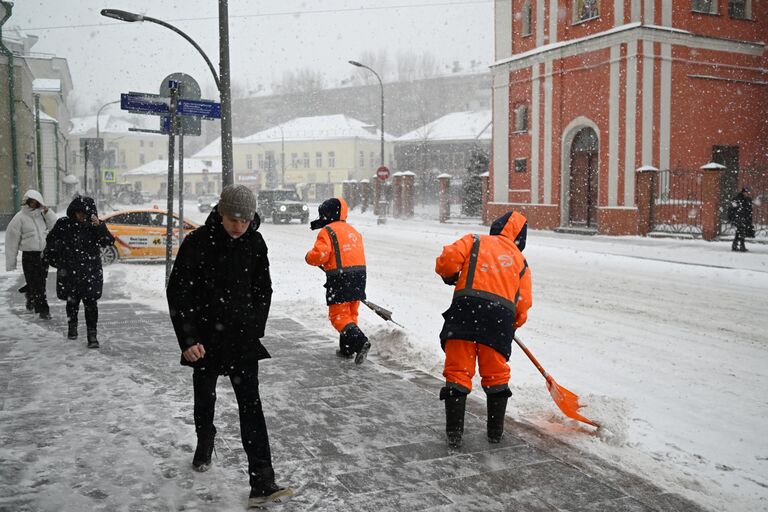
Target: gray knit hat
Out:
[237,201]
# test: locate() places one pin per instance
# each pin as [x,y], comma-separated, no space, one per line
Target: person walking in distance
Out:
[219,294]
[740,215]
[74,248]
[491,299]
[27,232]
[339,251]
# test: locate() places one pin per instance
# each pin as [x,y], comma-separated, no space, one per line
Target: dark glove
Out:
[451,281]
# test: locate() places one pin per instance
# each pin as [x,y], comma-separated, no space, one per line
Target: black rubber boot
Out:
[346,340]
[201,461]
[497,408]
[455,405]
[72,330]
[93,342]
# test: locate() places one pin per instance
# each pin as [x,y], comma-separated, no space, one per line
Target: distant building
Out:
[123,149]
[199,177]
[443,146]
[47,78]
[315,154]
[586,92]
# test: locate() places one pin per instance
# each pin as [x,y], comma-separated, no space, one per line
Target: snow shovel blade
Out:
[382,312]
[567,401]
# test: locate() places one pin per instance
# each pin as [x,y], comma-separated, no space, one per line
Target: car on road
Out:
[206,202]
[282,206]
[140,234]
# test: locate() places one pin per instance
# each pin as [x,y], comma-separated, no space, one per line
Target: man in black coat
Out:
[219,295]
[74,247]
[740,214]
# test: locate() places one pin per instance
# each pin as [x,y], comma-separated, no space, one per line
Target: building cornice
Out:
[630,32]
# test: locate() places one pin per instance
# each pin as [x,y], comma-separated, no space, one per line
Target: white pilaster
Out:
[539,22]
[613,127]
[630,123]
[553,14]
[548,132]
[647,92]
[501,135]
[665,106]
[535,130]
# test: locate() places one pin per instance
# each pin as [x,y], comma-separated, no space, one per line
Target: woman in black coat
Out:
[74,247]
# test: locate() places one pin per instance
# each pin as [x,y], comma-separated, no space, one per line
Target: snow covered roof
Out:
[110,123]
[332,127]
[160,167]
[213,150]
[46,85]
[472,125]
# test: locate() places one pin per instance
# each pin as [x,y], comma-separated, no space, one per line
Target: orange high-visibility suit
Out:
[491,299]
[339,251]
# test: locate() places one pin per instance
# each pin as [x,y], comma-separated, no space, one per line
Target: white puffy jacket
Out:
[28,229]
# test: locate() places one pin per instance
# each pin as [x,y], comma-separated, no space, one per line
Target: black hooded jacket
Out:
[219,295]
[74,248]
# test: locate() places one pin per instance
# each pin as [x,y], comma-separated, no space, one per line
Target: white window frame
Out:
[747,11]
[331,159]
[521,118]
[249,162]
[318,159]
[577,18]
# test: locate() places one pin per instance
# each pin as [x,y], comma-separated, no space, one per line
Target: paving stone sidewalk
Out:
[346,437]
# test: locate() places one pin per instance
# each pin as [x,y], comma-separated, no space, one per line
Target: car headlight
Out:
[282,208]
[304,207]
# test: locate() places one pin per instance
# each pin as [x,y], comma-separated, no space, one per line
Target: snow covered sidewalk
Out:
[110,429]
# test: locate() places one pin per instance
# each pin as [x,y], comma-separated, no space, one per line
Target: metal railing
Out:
[677,203]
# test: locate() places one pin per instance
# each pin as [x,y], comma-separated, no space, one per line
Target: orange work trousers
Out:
[343,314]
[460,358]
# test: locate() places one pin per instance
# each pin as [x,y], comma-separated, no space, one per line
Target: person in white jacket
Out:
[26,233]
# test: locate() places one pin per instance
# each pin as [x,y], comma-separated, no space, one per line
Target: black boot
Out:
[497,408]
[455,405]
[92,341]
[72,330]
[345,350]
[264,490]
[201,461]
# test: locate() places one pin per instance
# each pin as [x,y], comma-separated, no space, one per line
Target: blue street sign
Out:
[144,103]
[199,108]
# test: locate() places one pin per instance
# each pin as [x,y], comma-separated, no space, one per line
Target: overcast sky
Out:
[267,37]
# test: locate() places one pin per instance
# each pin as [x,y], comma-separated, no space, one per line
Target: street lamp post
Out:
[223,84]
[381,85]
[100,158]
[98,113]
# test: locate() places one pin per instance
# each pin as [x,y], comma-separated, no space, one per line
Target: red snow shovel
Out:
[566,400]
[383,313]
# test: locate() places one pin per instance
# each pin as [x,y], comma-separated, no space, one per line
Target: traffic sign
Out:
[382,172]
[143,103]
[189,89]
[199,108]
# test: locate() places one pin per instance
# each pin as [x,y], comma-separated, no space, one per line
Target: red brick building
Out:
[586,92]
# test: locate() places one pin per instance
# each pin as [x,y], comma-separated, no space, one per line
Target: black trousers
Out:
[36,274]
[91,311]
[253,428]
[738,238]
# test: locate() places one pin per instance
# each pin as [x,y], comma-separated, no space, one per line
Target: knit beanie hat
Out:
[237,201]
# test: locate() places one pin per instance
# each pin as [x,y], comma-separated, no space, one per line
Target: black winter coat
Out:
[74,248]
[740,212]
[219,295]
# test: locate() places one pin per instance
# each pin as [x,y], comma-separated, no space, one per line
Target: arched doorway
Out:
[582,186]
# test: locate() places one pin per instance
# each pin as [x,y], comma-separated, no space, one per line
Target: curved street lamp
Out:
[381,85]
[98,113]
[222,80]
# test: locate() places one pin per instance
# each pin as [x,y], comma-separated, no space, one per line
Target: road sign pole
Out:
[171,156]
[85,171]
[181,186]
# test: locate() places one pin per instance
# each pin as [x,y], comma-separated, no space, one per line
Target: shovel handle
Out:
[533,359]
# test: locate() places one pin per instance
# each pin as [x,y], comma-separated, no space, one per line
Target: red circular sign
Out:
[382,172]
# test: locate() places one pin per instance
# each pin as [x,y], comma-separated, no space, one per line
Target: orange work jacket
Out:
[492,292]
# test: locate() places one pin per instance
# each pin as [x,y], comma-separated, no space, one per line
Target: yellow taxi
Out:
[140,234]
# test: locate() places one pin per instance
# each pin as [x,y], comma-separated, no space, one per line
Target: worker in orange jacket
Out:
[339,251]
[491,299]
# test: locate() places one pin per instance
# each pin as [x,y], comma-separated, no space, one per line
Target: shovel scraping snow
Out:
[566,400]
[382,312]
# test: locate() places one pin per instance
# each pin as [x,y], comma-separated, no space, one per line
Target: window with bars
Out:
[704,6]
[740,9]
[585,10]
[525,18]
